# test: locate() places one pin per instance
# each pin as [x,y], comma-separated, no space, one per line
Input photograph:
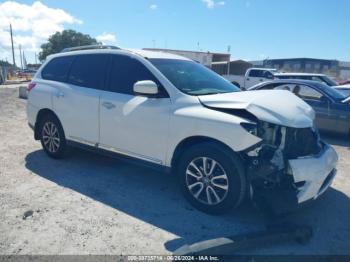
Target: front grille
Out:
[301,142]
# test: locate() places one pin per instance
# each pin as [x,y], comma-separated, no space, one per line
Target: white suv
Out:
[171,112]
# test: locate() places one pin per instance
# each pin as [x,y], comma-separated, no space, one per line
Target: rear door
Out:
[320,103]
[130,124]
[341,112]
[77,99]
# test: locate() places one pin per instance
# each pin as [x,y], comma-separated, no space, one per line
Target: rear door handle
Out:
[108,105]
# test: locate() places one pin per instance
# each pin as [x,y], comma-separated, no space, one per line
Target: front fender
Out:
[197,120]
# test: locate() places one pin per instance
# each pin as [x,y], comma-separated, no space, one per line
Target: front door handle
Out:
[59,94]
[108,105]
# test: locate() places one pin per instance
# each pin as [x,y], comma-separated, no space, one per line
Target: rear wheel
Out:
[52,136]
[211,178]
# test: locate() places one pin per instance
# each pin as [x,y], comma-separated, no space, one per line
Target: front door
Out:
[320,103]
[133,125]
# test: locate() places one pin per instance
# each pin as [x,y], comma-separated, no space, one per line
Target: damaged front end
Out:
[284,168]
[290,165]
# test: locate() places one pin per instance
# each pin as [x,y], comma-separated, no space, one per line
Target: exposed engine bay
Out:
[268,167]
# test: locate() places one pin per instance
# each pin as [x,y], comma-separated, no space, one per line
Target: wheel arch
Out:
[193,140]
[42,112]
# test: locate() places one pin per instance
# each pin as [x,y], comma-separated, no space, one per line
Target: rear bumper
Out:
[32,112]
[316,173]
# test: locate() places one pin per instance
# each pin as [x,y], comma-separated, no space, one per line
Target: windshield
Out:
[345,92]
[329,81]
[193,78]
[334,93]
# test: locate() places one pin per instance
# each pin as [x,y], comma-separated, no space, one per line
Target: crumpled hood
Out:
[274,106]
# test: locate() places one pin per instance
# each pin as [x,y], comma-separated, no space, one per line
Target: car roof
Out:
[143,53]
[298,74]
[263,69]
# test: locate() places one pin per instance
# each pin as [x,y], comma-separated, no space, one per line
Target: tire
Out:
[226,178]
[52,136]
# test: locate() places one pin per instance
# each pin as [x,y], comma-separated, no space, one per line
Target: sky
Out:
[254,29]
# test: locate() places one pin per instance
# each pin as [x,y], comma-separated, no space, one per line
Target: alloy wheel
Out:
[207,181]
[51,137]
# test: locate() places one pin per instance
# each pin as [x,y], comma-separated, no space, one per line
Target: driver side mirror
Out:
[146,87]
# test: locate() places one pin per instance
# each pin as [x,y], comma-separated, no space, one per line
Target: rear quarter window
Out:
[57,69]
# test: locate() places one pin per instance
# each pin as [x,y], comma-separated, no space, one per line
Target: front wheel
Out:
[211,178]
[52,136]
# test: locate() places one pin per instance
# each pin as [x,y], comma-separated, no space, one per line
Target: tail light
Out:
[30,86]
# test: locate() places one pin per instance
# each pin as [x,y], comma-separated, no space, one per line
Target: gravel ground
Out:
[89,204]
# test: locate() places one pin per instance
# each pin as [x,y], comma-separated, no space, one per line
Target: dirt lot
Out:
[89,204]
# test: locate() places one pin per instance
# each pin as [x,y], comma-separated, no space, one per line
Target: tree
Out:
[60,40]
[5,63]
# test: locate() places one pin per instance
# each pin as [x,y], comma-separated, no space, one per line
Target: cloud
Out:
[153,7]
[209,3]
[31,24]
[212,3]
[107,39]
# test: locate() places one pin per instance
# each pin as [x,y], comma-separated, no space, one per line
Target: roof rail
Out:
[88,47]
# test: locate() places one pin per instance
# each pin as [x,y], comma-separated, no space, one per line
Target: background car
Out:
[331,106]
[252,77]
[307,76]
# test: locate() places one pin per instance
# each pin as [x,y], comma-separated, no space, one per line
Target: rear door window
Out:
[89,71]
[57,69]
[287,87]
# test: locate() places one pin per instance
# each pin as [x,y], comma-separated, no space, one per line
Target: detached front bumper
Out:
[315,174]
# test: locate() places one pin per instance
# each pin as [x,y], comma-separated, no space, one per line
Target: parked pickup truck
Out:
[252,77]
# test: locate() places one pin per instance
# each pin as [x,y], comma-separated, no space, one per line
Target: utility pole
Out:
[20,55]
[24,61]
[229,58]
[13,50]
[36,62]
